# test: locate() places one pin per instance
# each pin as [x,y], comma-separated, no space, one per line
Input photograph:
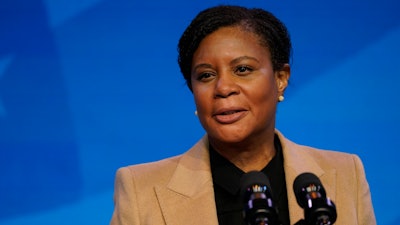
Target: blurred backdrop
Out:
[87,86]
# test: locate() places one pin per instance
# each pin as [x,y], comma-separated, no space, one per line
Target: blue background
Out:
[89,86]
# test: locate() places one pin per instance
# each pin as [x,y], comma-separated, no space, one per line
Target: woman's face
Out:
[234,86]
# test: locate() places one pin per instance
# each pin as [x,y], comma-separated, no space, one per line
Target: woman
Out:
[236,63]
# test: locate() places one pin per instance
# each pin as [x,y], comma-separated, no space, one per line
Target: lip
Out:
[229,115]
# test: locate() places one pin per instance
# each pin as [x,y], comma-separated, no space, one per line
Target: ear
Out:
[282,78]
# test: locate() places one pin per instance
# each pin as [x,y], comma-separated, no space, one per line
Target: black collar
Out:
[227,175]
[226,179]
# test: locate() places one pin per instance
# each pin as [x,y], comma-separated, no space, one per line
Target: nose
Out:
[226,86]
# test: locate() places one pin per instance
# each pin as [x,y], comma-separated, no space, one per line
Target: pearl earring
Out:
[195,112]
[281,98]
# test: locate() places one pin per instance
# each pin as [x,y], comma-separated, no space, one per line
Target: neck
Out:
[247,156]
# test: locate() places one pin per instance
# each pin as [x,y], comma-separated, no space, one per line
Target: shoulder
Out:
[329,159]
[317,157]
[326,156]
[160,172]
[321,154]
[347,165]
[157,171]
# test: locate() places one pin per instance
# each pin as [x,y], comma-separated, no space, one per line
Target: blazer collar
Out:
[189,195]
[297,160]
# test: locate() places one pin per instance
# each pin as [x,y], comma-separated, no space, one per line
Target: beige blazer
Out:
[179,190]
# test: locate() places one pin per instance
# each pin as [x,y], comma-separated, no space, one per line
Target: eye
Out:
[243,70]
[205,76]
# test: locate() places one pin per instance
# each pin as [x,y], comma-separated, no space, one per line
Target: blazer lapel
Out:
[189,196]
[298,160]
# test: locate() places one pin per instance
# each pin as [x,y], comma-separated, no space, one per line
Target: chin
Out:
[228,139]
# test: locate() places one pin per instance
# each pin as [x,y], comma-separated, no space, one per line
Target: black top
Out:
[226,179]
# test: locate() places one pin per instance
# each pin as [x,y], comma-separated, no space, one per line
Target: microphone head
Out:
[305,184]
[257,199]
[253,179]
[311,196]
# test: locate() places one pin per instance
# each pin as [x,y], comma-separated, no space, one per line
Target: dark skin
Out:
[236,92]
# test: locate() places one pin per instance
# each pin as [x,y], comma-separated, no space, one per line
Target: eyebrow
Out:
[202,65]
[234,61]
[243,58]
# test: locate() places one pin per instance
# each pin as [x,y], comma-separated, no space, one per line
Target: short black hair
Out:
[272,32]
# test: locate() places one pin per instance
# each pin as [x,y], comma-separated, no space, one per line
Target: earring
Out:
[195,112]
[281,98]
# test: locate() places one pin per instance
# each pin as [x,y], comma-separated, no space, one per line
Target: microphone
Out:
[257,198]
[311,196]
